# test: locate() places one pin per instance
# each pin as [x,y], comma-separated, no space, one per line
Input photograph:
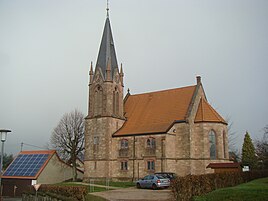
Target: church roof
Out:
[155,112]
[107,50]
[205,113]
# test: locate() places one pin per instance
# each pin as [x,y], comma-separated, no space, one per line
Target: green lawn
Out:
[256,190]
[117,184]
[98,189]
[89,189]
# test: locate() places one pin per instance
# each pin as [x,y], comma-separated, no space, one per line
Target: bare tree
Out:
[232,141]
[232,137]
[68,138]
[266,132]
[261,147]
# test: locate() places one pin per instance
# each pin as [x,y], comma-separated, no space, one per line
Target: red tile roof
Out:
[39,152]
[155,112]
[205,113]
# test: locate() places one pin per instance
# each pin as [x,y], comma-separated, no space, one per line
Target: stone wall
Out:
[99,147]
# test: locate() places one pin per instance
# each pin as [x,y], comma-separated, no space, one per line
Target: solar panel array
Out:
[26,165]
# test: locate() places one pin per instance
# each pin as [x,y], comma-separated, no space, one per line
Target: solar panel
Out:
[26,165]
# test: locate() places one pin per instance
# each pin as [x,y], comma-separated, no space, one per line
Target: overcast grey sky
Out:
[46,47]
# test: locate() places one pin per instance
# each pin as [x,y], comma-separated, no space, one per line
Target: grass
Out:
[89,196]
[117,184]
[256,190]
[89,189]
[97,188]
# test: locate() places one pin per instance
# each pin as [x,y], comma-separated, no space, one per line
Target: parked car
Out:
[170,175]
[153,181]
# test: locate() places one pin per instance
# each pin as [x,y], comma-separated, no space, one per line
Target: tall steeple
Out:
[105,109]
[106,85]
[107,55]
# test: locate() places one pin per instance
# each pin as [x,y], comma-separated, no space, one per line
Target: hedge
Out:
[74,192]
[184,188]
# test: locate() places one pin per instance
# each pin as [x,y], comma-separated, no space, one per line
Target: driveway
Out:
[132,193]
[11,199]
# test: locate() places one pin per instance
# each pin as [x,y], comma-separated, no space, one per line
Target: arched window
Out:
[150,142]
[212,144]
[116,102]
[98,102]
[124,144]
[224,143]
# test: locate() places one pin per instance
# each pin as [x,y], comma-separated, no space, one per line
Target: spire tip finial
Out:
[107,8]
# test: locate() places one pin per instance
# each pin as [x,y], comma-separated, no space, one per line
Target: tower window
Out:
[96,140]
[98,102]
[212,144]
[95,145]
[116,102]
[95,165]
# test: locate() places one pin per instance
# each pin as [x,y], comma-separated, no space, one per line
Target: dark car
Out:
[153,181]
[170,175]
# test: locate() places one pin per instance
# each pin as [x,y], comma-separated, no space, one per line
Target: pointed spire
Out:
[121,70]
[91,73]
[121,74]
[107,49]
[107,9]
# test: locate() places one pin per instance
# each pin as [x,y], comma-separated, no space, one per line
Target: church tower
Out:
[105,108]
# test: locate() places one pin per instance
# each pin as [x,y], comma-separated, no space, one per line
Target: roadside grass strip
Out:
[99,186]
[256,190]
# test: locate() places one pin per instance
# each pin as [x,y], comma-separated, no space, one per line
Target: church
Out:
[130,136]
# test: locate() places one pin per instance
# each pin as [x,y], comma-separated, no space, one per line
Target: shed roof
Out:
[223,165]
[28,164]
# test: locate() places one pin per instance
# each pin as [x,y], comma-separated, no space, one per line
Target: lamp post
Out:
[3,133]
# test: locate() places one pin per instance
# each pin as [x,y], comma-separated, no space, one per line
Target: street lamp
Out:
[3,133]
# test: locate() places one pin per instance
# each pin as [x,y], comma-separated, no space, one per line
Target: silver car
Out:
[153,181]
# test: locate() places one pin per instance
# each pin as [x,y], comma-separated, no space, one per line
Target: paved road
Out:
[132,193]
[128,194]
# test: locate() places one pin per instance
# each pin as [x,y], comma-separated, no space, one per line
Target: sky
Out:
[46,47]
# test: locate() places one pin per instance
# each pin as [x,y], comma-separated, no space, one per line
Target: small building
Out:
[225,167]
[35,167]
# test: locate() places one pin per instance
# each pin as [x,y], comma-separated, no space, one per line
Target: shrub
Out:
[74,192]
[184,188]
